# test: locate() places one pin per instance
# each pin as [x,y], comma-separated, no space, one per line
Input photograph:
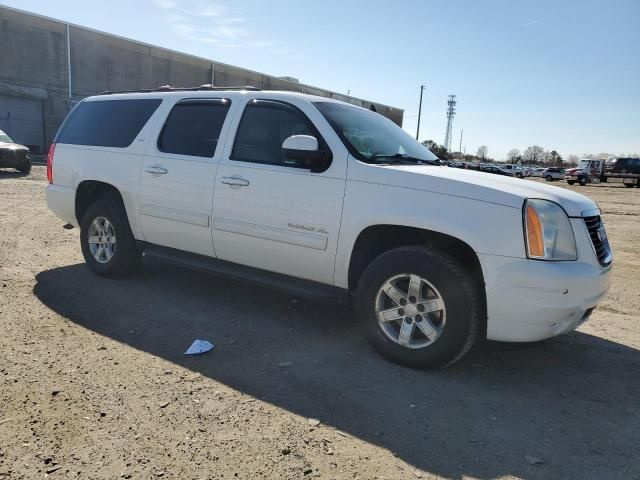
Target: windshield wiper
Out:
[403,157]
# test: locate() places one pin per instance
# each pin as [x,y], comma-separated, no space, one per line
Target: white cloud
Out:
[209,21]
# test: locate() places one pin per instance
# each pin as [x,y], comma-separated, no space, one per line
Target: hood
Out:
[13,146]
[486,187]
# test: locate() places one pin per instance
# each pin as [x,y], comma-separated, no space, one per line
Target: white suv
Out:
[326,199]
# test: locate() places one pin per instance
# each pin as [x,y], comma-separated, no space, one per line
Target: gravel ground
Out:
[94,383]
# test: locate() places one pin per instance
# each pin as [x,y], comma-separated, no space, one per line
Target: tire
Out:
[26,168]
[458,324]
[582,181]
[571,182]
[629,185]
[125,256]
[548,178]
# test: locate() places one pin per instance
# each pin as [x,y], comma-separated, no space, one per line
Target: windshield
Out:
[4,138]
[373,138]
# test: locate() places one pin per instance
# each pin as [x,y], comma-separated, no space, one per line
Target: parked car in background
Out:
[511,170]
[537,172]
[496,170]
[326,199]
[14,155]
[622,165]
[553,173]
[527,171]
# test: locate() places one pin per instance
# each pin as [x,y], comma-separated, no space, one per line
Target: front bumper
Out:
[531,300]
[14,158]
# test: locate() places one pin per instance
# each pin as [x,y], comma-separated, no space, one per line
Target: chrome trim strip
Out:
[308,240]
[199,219]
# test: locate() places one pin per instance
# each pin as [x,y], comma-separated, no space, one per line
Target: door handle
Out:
[235,181]
[156,170]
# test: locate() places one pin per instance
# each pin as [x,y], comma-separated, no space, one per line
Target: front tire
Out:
[548,178]
[25,168]
[419,307]
[582,181]
[571,182]
[108,246]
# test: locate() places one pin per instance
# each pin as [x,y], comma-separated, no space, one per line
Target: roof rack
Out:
[169,88]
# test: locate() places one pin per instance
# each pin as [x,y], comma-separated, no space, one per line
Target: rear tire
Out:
[443,281]
[112,251]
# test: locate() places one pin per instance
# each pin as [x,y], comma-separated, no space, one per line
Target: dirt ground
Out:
[94,383]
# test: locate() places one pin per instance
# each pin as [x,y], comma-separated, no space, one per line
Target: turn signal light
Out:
[534,233]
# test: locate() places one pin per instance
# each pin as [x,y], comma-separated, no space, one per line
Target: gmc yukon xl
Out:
[331,200]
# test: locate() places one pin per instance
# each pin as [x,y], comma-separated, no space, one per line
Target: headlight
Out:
[549,235]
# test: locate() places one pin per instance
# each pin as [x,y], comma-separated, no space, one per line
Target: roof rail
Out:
[169,88]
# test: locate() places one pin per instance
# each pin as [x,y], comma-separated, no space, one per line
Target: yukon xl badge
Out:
[308,228]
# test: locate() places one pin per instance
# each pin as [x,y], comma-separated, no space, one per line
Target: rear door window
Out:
[193,127]
[107,123]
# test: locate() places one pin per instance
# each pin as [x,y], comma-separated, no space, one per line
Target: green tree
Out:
[438,150]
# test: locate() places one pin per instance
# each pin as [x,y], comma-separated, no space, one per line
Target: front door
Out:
[271,212]
[178,174]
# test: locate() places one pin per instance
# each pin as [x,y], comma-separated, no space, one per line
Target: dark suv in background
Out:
[13,155]
[623,165]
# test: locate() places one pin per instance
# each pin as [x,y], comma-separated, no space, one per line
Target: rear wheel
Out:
[107,243]
[629,185]
[419,307]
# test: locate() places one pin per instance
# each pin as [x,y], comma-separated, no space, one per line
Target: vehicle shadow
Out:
[571,402]
[11,173]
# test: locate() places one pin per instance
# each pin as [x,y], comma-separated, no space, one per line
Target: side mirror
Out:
[304,148]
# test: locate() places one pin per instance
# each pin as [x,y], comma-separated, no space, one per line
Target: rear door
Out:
[273,213]
[178,174]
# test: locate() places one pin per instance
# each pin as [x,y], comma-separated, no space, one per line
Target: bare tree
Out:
[514,155]
[533,154]
[572,160]
[483,151]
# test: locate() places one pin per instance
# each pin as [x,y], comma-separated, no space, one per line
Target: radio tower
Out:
[451,112]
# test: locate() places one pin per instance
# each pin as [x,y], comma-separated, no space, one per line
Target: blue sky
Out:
[561,74]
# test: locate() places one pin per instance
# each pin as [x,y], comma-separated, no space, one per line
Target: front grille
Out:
[599,239]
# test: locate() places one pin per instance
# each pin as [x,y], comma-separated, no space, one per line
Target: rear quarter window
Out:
[107,123]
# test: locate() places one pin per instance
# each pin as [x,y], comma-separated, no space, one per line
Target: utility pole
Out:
[422,87]
[461,132]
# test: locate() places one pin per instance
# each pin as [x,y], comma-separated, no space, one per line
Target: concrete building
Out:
[46,66]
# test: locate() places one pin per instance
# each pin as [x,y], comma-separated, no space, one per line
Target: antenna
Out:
[451,112]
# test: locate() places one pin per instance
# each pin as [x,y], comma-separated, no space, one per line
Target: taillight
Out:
[52,149]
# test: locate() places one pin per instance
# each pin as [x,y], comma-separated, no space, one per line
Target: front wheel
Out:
[25,167]
[548,178]
[571,182]
[419,307]
[107,243]
[582,181]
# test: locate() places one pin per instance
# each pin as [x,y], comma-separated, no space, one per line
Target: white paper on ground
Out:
[198,347]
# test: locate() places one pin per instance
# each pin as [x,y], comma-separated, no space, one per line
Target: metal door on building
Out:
[21,119]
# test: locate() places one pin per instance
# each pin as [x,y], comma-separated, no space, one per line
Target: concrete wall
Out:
[35,65]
